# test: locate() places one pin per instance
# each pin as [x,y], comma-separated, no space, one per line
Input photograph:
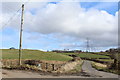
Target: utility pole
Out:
[20,45]
[87,45]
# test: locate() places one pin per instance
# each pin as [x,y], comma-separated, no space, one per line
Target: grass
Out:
[89,55]
[108,60]
[34,54]
[67,53]
[40,55]
[94,65]
[78,68]
[104,69]
[102,53]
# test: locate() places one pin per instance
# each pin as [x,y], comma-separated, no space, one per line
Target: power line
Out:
[13,16]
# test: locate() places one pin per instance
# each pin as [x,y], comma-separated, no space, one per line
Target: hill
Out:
[33,54]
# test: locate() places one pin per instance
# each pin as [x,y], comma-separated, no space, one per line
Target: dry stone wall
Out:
[54,66]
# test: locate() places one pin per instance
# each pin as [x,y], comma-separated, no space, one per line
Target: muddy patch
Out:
[4,73]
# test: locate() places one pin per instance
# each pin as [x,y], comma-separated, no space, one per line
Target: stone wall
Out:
[53,66]
[42,65]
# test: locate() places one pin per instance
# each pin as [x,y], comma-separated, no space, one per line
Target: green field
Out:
[34,54]
[68,53]
[102,53]
[40,55]
[89,55]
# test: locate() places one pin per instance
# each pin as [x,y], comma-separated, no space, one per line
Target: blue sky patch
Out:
[110,7]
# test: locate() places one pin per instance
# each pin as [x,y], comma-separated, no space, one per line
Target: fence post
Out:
[46,66]
[53,67]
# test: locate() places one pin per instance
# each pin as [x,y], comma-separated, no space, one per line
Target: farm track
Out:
[88,69]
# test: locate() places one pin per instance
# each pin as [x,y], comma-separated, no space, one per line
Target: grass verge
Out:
[105,69]
[78,68]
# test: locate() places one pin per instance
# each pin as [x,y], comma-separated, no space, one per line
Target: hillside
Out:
[34,54]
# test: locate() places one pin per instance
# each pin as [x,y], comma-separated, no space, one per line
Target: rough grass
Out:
[105,69]
[78,68]
[98,67]
[108,60]
[34,54]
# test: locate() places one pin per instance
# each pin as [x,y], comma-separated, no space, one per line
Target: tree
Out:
[11,48]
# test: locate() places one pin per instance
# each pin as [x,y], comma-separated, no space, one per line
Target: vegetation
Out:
[21,67]
[116,64]
[98,67]
[34,54]
[78,68]
[114,67]
[87,55]
[90,56]
[68,53]
[102,53]
[106,60]
[106,69]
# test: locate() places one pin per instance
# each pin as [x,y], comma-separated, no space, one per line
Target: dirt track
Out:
[88,72]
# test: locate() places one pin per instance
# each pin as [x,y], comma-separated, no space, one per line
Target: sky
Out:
[60,25]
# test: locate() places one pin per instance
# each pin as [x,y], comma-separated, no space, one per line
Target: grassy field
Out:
[68,53]
[34,54]
[102,53]
[89,55]
[40,55]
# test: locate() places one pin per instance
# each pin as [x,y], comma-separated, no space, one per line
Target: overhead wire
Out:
[14,14]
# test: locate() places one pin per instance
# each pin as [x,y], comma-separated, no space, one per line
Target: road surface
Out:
[27,74]
[88,72]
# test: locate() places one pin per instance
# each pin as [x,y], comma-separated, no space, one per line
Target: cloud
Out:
[69,19]
[61,0]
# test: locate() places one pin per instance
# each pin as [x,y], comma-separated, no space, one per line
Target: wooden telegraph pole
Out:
[20,45]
